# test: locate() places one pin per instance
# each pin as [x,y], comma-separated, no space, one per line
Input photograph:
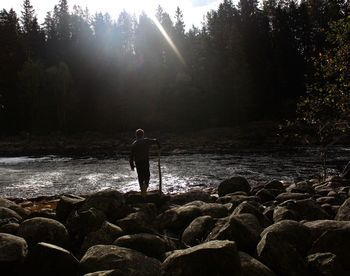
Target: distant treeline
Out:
[82,72]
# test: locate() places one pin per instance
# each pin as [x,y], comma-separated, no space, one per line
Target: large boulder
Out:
[198,230]
[190,196]
[234,229]
[67,204]
[318,227]
[13,250]
[293,232]
[49,259]
[6,213]
[294,196]
[215,210]
[116,272]
[325,264]
[306,209]
[178,218]
[301,187]
[108,257]
[148,244]
[282,213]
[252,267]
[107,234]
[344,211]
[80,223]
[137,222]
[44,230]
[210,258]
[336,242]
[280,256]
[248,208]
[234,184]
[274,185]
[10,228]
[111,203]
[153,197]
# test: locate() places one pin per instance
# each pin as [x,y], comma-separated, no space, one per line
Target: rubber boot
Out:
[143,190]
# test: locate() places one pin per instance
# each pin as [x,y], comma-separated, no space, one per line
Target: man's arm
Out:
[131,159]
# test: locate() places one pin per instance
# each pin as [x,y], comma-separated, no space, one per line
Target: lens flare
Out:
[168,39]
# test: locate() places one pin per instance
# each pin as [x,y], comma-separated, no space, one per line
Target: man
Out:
[140,157]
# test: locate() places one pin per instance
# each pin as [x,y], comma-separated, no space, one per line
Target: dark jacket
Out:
[140,151]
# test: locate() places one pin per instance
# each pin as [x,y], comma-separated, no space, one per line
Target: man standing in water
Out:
[140,157]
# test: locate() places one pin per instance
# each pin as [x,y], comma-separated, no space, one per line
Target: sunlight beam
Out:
[168,39]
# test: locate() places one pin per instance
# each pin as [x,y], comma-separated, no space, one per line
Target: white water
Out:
[27,177]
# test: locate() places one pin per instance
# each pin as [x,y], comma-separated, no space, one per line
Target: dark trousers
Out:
[143,174]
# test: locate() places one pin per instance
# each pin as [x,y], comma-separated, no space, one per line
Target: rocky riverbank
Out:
[270,229]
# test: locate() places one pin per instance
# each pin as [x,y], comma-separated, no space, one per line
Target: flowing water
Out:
[27,177]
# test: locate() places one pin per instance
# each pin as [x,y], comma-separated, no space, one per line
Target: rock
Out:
[107,234]
[154,197]
[6,213]
[274,184]
[148,244]
[324,264]
[337,242]
[246,207]
[13,250]
[295,196]
[198,230]
[215,210]
[138,222]
[265,195]
[116,272]
[235,200]
[178,218]
[234,184]
[280,256]
[107,257]
[329,200]
[67,204]
[293,232]
[110,202]
[48,259]
[193,195]
[10,228]
[234,230]
[210,258]
[6,203]
[80,223]
[43,230]
[281,213]
[301,187]
[43,213]
[344,211]
[306,209]
[251,222]
[252,267]
[318,227]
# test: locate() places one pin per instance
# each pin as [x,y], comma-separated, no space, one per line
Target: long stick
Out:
[160,173]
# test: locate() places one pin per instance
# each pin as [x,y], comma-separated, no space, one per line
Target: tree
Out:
[325,109]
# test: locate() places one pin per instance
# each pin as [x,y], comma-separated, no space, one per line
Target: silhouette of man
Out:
[140,157]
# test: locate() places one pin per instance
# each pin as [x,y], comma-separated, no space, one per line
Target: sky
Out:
[193,10]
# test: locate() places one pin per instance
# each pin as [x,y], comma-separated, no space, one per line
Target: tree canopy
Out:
[83,72]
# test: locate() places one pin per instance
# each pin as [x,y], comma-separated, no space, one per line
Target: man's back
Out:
[140,150]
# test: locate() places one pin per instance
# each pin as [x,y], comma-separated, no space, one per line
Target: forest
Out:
[248,61]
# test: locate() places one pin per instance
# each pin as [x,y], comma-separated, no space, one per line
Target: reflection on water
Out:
[49,175]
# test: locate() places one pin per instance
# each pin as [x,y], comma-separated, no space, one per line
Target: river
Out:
[33,176]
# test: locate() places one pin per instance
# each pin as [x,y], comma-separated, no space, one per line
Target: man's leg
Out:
[143,176]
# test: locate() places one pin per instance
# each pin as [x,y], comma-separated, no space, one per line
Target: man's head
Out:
[140,133]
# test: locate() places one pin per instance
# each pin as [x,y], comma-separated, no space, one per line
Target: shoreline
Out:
[278,223]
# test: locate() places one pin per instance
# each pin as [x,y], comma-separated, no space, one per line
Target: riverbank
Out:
[236,229]
[216,140]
